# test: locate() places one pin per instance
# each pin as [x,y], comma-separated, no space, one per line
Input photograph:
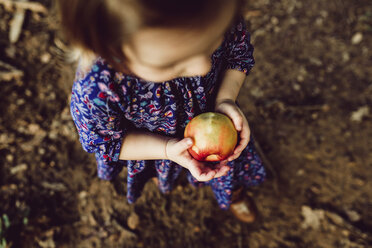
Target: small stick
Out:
[10,72]
[16,24]
[33,6]
[267,164]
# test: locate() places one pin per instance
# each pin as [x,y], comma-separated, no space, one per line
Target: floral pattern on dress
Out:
[106,104]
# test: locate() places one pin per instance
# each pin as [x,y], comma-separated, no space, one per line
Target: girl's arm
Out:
[149,146]
[239,58]
[225,103]
[230,86]
[143,146]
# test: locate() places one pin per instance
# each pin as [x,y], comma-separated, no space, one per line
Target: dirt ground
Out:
[308,101]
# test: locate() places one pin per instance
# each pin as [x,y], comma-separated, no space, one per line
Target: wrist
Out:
[153,146]
[166,149]
[229,101]
[168,144]
[224,100]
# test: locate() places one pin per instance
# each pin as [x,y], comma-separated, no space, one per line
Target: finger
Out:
[236,117]
[240,148]
[184,144]
[223,162]
[226,170]
[238,121]
[244,139]
[207,176]
[223,170]
[201,172]
[234,156]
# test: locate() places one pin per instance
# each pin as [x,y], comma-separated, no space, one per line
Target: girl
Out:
[148,67]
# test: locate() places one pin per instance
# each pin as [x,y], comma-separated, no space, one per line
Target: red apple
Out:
[214,137]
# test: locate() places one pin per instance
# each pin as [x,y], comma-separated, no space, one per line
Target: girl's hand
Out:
[176,150]
[229,108]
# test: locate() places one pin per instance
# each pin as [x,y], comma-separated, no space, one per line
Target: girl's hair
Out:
[101,27]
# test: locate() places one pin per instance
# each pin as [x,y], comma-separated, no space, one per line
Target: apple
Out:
[214,137]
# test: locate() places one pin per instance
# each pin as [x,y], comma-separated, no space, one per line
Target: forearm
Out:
[230,85]
[143,146]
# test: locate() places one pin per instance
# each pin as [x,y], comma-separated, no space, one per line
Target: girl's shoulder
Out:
[98,81]
[96,69]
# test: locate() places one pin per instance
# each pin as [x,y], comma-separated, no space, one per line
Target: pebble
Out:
[335,218]
[296,87]
[274,20]
[310,156]
[345,56]
[359,182]
[9,158]
[314,116]
[300,78]
[133,221]
[353,215]
[319,21]
[326,108]
[359,114]
[345,233]
[315,61]
[28,92]
[45,58]
[41,151]
[300,172]
[83,194]
[33,128]
[312,217]
[357,38]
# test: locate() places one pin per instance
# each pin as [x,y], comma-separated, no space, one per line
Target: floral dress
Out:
[106,104]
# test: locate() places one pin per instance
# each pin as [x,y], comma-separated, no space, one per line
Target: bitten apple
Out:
[214,137]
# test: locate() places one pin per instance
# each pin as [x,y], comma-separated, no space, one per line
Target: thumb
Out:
[185,143]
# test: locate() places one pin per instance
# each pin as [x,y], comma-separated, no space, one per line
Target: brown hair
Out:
[102,26]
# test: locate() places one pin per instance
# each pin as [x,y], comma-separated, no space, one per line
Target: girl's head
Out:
[156,40]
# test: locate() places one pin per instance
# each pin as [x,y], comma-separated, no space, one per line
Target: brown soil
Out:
[308,101]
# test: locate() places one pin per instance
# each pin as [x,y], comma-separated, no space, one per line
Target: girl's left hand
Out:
[229,108]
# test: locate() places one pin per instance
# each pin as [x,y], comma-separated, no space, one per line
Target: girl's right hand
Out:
[176,150]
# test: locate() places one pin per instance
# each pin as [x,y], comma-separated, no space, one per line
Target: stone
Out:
[353,215]
[359,114]
[357,38]
[312,217]
[133,221]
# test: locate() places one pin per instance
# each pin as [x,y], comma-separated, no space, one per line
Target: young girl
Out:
[148,67]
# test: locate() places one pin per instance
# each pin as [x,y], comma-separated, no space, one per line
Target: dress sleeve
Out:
[238,49]
[95,112]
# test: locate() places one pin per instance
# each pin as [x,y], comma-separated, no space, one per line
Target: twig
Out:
[9,73]
[267,164]
[33,6]
[16,25]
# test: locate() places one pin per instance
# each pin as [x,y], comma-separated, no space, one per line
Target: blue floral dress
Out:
[105,104]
